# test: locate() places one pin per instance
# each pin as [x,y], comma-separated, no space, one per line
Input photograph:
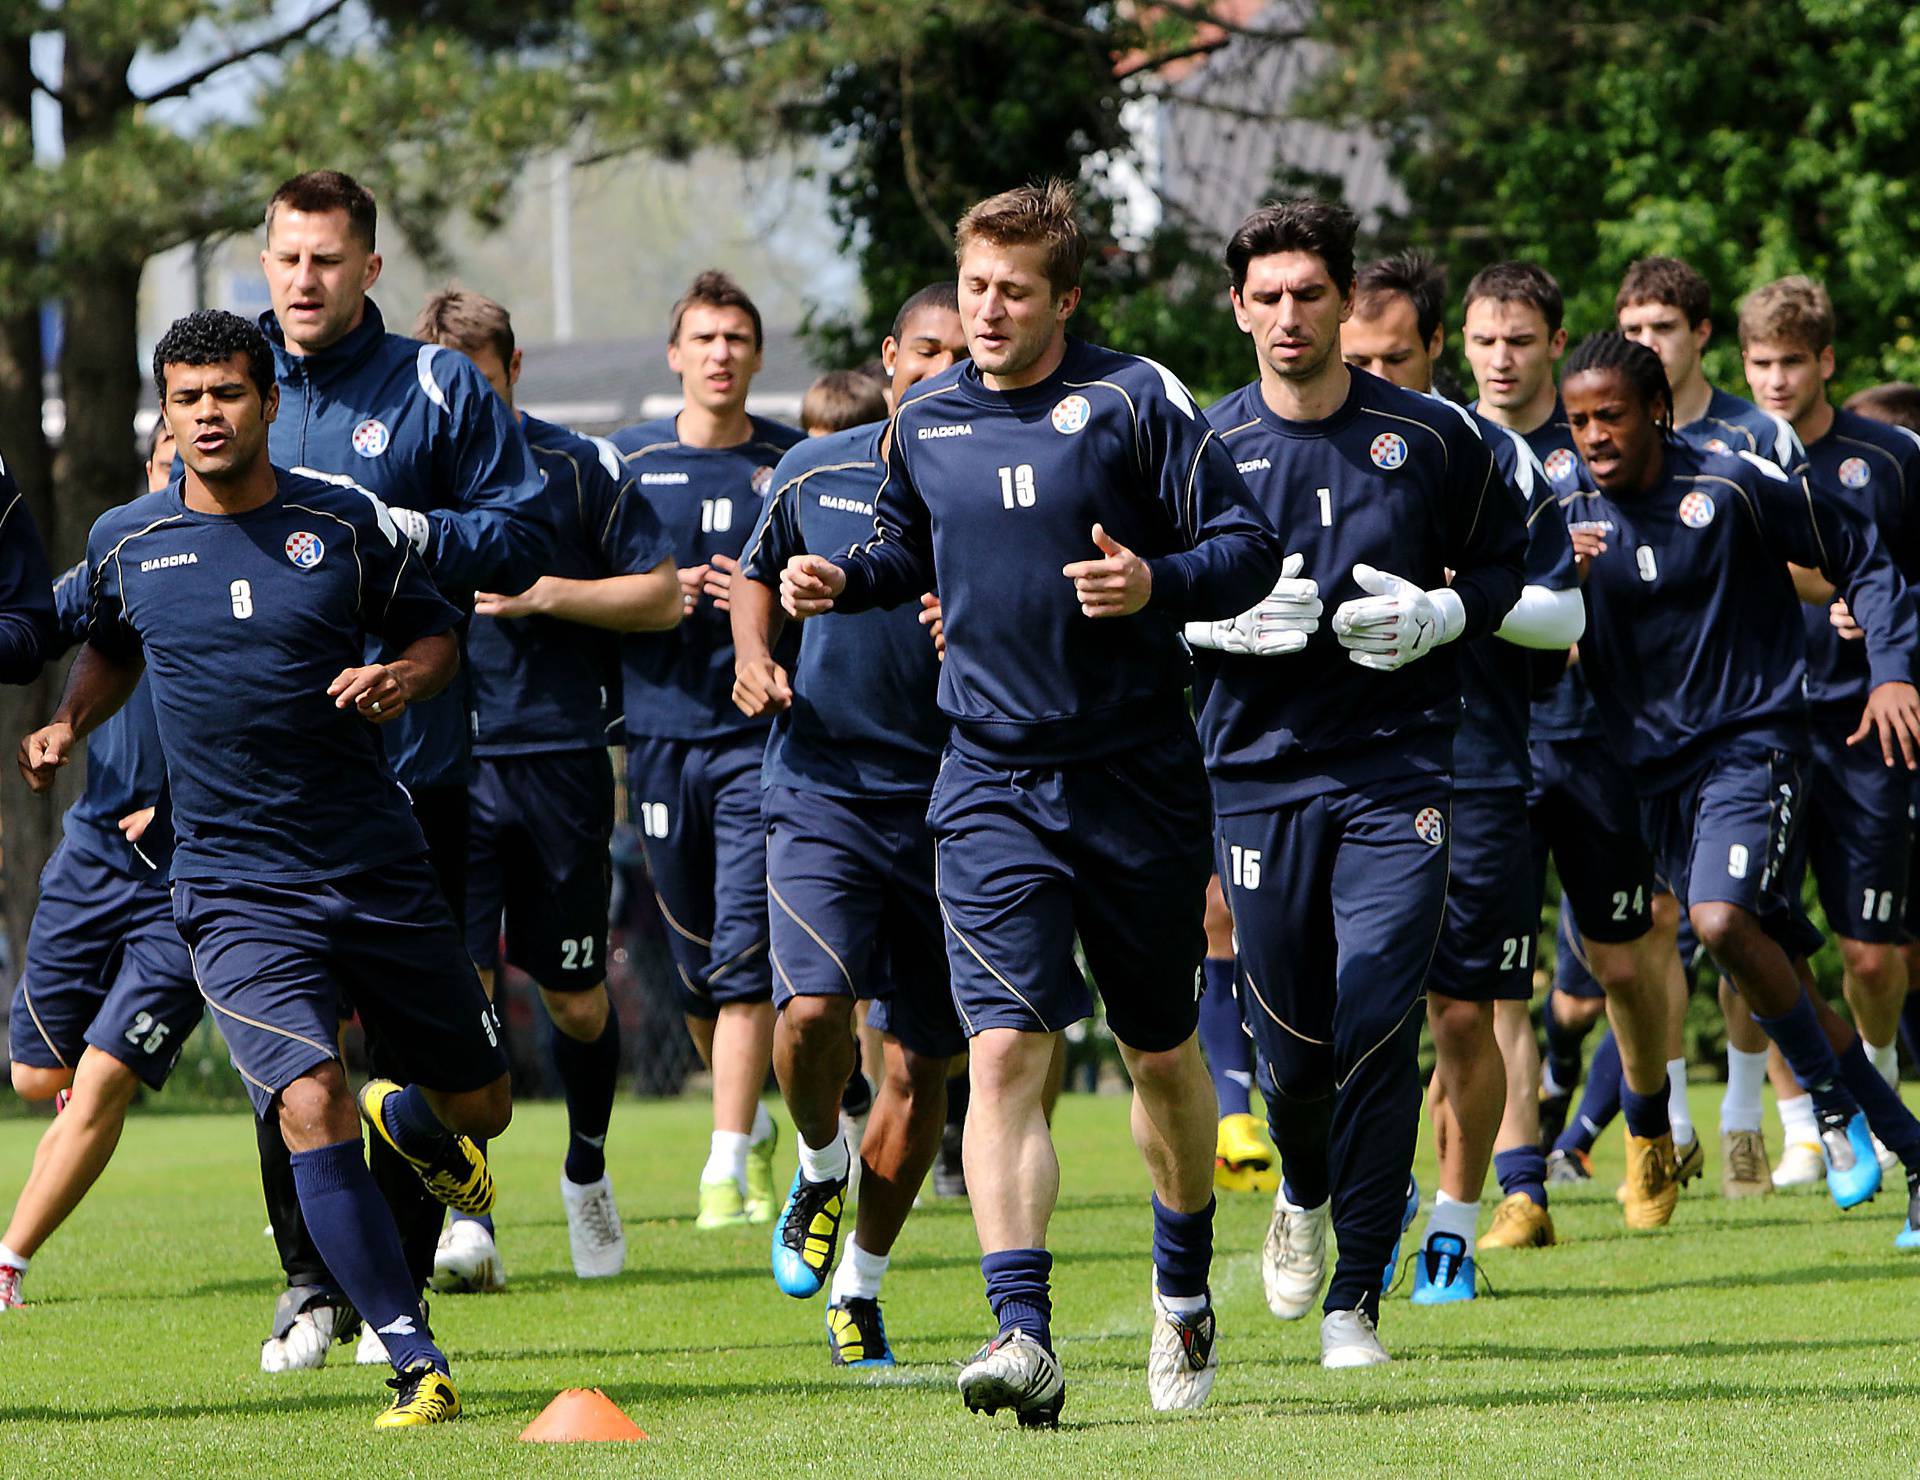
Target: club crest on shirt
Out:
[1560,464]
[371,437]
[1714,444]
[305,549]
[1854,473]
[1696,510]
[1388,451]
[1070,414]
[762,480]
[1430,827]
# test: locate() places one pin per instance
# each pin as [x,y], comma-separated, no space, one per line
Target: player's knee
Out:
[1459,1027]
[581,1016]
[33,1083]
[104,1083]
[1876,966]
[1162,1073]
[818,1020]
[1722,928]
[316,1110]
[1219,921]
[1619,969]
[487,1112]
[1666,913]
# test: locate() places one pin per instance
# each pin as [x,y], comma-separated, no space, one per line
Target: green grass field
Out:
[1764,1338]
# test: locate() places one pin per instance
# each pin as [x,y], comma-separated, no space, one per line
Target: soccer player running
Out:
[1695,650]
[1331,766]
[1075,509]
[1859,829]
[419,426]
[106,997]
[542,664]
[300,874]
[850,867]
[693,759]
[1481,981]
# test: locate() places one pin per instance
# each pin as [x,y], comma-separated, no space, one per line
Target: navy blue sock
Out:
[1887,1114]
[415,1129]
[1017,1291]
[354,1232]
[589,1075]
[1803,1044]
[1599,1100]
[1646,1115]
[1182,1248]
[1563,1044]
[1224,1041]
[1522,1169]
[1910,1025]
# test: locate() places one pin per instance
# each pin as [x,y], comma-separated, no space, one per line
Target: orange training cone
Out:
[581,1415]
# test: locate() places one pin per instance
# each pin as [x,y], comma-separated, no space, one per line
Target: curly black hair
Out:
[208,337]
[1612,350]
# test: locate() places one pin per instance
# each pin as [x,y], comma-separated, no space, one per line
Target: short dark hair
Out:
[1896,402]
[1303,225]
[841,399]
[1414,275]
[1612,350]
[208,337]
[466,321]
[1039,215]
[1519,282]
[715,289]
[944,294]
[1666,280]
[329,190]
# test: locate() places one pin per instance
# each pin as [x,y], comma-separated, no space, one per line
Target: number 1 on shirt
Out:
[1325,495]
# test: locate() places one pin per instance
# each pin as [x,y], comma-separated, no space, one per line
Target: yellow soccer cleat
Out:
[721,1205]
[1242,1159]
[761,1202]
[1519,1223]
[1652,1187]
[463,1182]
[421,1395]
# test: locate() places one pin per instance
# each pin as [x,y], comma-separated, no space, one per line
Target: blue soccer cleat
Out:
[806,1235]
[1909,1236]
[1853,1168]
[1407,1215]
[1443,1271]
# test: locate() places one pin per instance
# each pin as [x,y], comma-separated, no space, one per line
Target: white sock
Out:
[762,1124]
[824,1163]
[859,1275]
[1885,1058]
[1450,1215]
[1184,1305]
[1797,1122]
[1550,1087]
[1740,1105]
[18,1261]
[728,1158]
[1677,1102]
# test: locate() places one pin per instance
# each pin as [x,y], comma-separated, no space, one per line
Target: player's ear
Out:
[270,404]
[372,275]
[1826,362]
[513,367]
[1557,343]
[1069,301]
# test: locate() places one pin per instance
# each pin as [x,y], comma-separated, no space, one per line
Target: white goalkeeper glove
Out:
[1281,623]
[1396,622]
[413,524]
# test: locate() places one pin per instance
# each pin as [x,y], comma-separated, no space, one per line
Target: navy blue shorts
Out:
[697,807]
[105,966]
[1859,836]
[539,857]
[853,913]
[280,963]
[1731,833]
[1114,850]
[1486,945]
[1582,809]
[1571,972]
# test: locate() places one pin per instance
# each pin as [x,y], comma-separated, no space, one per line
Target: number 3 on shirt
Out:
[1016,486]
[242,594]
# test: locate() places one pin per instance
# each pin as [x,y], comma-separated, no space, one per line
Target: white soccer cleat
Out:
[1182,1359]
[372,1351]
[1015,1371]
[467,1261]
[1801,1165]
[594,1232]
[303,1348]
[1293,1261]
[1347,1339]
[10,1278]
[1885,1155]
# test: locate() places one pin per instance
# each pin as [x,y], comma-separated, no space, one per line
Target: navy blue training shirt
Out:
[1694,633]
[1393,479]
[1732,425]
[544,683]
[989,494]
[243,621]
[679,685]
[875,730]
[419,426]
[1565,710]
[29,632]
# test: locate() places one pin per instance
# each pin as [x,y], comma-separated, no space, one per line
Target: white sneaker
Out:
[1347,1339]
[303,1346]
[1015,1371]
[467,1260]
[1182,1359]
[1801,1165]
[1293,1261]
[594,1233]
[372,1351]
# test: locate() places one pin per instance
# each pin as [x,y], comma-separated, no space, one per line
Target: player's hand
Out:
[1893,713]
[1282,622]
[1840,618]
[693,579]
[373,690]
[414,525]
[718,585]
[526,604]
[133,827]
[1395,622]
[760,687]
[44,752]
[809,584]
[932,619]
[1587,542]
[1116,585]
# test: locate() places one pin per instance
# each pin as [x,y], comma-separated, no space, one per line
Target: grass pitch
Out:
[1765,1338]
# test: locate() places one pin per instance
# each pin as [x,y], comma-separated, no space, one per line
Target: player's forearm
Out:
[97,685]
[1220,577]
[426,666]
[645,601]
[486,549]
[881,573]
[757,621]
